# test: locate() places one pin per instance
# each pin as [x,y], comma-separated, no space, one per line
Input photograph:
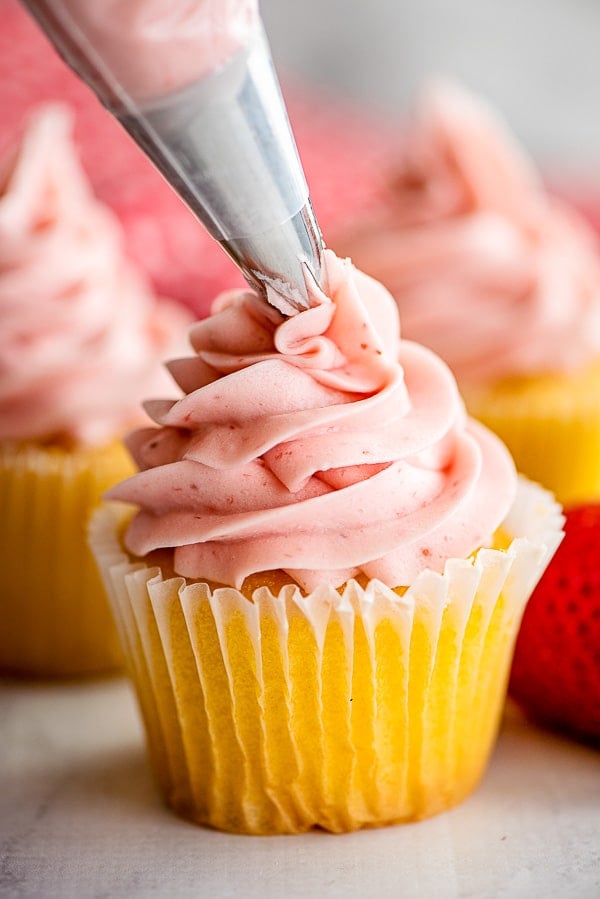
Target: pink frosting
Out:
[322,445]
[488,270]
[81,333]
[157,46]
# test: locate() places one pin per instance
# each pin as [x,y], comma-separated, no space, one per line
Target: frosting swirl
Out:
[322,445]
[81,333]
[489,271]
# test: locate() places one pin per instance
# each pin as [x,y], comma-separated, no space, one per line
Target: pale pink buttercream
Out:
[81,334]
[488,270]
[321,445]
[153,47]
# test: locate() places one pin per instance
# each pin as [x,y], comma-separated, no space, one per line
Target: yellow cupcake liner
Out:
[336,710]
[551,425]
[54,616]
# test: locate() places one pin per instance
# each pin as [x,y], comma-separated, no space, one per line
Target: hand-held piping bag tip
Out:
[225,145]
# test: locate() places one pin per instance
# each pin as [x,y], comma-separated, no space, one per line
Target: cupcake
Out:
[319,570]
[501,280]
[80,345]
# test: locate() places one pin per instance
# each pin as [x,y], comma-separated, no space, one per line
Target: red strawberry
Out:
[556,669]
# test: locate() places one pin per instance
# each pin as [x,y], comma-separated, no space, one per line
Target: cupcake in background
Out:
[82,337]
[500,279]
[319,592]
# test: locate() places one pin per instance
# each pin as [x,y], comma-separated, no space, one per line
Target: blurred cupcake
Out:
[498,278]
[80,345]
[320,590]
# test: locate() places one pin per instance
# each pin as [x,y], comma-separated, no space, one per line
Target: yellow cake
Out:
[348,708]
[54,616]
[551,424]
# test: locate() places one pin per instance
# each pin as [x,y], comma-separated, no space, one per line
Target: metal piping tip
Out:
[226,146]
[275,262]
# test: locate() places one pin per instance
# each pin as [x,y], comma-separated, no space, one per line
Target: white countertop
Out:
[79,817]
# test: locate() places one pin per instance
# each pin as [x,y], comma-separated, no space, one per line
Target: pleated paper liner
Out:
[54,616]
[551,425]
[333,710]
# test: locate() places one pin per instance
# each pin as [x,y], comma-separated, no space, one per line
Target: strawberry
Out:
[556,669]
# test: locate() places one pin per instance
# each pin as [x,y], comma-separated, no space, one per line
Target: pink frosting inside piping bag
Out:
[489,271]
[322,445]
[81,334]
[154,47]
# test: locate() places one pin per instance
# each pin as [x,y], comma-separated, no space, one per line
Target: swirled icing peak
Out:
[488,270]
[81,334]
[322,445]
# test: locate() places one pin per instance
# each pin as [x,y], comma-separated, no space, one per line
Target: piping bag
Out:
[223,142]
